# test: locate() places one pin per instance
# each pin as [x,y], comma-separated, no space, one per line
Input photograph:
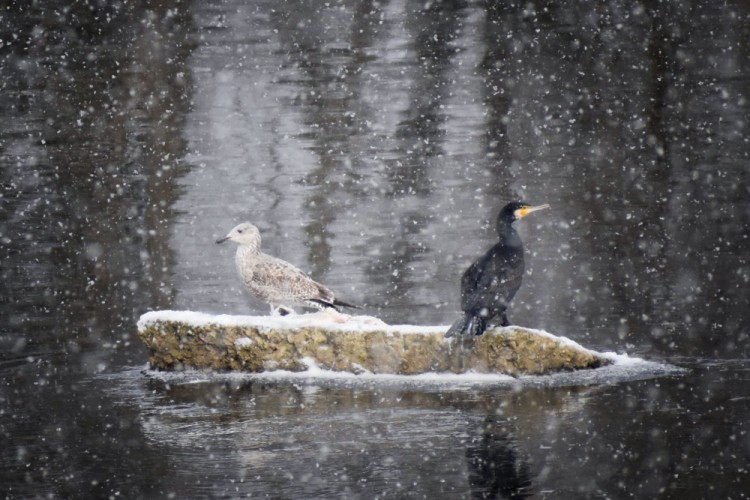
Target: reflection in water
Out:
[376,170]
[87,191]
[334,440]
[604,123]
[495,468]
[89,145]
[373,143]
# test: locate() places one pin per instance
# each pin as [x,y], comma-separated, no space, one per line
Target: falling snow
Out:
[373,143]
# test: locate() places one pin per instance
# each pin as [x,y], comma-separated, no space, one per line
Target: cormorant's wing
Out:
[493,280]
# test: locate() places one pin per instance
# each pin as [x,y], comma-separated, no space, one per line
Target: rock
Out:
[182,339]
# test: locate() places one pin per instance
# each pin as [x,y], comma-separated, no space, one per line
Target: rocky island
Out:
[179,340]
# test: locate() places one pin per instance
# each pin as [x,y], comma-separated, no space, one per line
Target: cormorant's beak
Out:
[523,212]
[222,240]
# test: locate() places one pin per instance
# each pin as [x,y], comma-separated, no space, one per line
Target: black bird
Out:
[489,284]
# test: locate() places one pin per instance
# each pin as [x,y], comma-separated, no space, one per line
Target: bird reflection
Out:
[495,469]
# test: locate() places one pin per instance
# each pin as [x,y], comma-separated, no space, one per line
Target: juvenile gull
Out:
[273,280]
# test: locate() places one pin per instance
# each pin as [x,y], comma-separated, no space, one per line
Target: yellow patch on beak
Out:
[523,212]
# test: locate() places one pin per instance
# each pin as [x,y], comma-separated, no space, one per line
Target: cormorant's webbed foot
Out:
[505,321]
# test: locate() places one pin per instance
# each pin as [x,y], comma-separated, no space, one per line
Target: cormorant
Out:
[489,284]
[273,280]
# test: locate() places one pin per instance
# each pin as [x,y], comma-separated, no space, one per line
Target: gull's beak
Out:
[523,212]
[222,240]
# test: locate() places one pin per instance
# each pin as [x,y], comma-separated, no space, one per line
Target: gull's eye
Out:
[239,230]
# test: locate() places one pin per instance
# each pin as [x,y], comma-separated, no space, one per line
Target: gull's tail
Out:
[341,303]
[335,304]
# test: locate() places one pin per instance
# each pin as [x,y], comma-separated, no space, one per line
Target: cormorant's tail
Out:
[468,324]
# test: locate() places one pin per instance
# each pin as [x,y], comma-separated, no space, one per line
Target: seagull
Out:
[275,281]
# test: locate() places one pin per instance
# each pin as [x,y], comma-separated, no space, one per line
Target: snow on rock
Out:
[355,344]
[329,319]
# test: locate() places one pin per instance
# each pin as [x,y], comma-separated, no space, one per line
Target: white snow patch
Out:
[564,341]
[623,359]
[327,320]
[243,342]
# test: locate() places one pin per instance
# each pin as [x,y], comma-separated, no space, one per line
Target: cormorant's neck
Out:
[507,234]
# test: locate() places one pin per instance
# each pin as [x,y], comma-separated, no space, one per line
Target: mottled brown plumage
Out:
[273,280]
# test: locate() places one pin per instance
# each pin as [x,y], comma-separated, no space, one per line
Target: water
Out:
[373,143]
